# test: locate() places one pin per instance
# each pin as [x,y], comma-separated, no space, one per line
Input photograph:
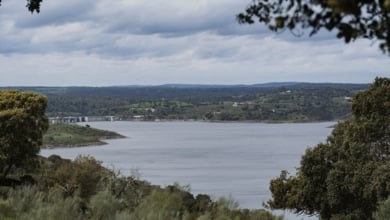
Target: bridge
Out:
[75,119]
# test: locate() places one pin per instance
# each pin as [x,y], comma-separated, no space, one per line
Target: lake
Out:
[221,159]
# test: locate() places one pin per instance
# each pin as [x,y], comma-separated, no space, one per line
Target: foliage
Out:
[295,102]
[104,194]
[104,205]
[383,211]
[173,202]
[70,135]
[166,204]
[22,124]
[351,19]
[347,176]
[30,203]
[82,176]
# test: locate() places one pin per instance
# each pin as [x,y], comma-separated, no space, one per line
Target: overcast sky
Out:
[133,42]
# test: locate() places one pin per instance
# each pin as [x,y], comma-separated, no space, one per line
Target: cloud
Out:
[167,17]
[104,42]
[52,13]
[253,62]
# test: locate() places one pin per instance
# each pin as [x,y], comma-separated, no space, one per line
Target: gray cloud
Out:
[163,41]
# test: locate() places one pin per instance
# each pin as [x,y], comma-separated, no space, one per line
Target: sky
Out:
[138,42]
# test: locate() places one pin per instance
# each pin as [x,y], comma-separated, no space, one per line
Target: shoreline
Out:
[75,135]
[96,143]
[218,121]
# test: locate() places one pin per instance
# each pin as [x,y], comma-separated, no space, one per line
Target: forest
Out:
[272,102]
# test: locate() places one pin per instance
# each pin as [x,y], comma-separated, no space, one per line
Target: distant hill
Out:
[121,91]
[277,101]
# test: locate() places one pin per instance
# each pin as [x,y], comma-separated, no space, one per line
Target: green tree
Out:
[82,176]
[346,177]
[351,19]
[22,124]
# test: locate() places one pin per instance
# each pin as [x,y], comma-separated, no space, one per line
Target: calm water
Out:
[221,159]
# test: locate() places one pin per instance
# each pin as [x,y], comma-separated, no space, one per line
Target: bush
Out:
[29,203]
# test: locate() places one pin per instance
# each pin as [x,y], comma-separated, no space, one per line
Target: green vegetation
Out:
[83,189]
[277,102]
[383,211]
[349,175]
[301,105]
[71,135]
[22,123]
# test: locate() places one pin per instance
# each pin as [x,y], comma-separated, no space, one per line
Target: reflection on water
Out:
[221,159]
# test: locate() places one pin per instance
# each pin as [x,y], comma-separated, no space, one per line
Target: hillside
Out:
[274,102]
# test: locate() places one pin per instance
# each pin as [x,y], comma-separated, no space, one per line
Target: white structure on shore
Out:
[73,119]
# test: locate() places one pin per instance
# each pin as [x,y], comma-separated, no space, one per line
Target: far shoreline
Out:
[219,121]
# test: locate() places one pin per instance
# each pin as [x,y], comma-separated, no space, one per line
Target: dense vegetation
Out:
[265,102]
[83,189]
[346,177]
[70,135]
[22,123]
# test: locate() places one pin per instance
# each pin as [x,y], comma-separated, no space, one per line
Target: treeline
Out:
[183,91]
[269,102]
[83,189]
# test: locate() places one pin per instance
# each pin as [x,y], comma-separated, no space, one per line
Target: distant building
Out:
[138,117]
[76,119]
[347,98]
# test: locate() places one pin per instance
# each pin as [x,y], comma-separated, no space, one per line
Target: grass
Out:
[71,135]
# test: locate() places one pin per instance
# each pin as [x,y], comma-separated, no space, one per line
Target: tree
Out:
[22,124]
[83,175]
[351,19]
[346,177]
[33,5]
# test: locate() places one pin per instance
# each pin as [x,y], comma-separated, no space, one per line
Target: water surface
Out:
[221,159]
